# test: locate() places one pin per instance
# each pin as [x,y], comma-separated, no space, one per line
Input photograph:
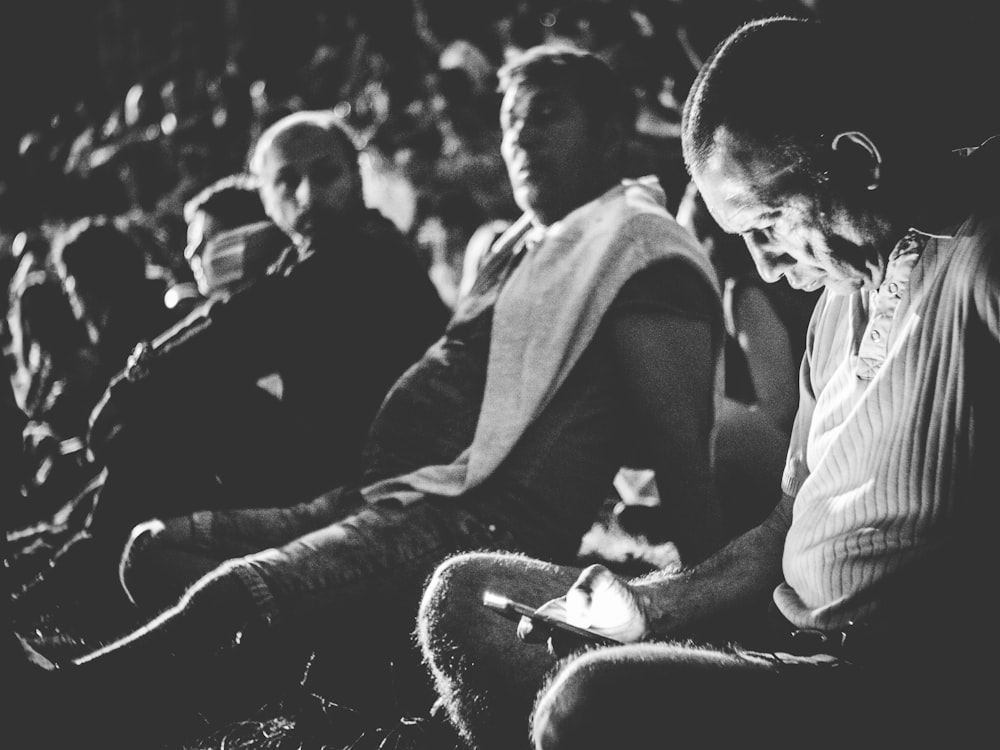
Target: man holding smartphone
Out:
[860,612]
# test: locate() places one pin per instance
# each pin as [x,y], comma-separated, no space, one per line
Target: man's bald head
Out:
[786,86]
[307,165]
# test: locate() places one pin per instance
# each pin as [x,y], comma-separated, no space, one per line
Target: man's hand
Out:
[599,601]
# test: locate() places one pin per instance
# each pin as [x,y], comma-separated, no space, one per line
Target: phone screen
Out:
[513,610]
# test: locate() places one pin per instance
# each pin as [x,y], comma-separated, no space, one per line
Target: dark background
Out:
[54,53]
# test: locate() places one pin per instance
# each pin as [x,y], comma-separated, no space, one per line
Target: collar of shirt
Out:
[884,302]
[532,238]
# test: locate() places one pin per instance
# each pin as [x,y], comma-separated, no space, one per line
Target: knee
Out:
[455,588]
[574,708]
[623,696]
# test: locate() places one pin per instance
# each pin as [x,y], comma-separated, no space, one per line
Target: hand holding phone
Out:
[514,611]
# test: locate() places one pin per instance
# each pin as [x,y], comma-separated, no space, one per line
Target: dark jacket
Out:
[338,326]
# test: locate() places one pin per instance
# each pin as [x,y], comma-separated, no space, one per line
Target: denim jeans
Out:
[337,554]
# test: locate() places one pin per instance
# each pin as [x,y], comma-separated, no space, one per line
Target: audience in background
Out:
[230,240]
[104,273]
[505,434]
[341,314]
[154,156]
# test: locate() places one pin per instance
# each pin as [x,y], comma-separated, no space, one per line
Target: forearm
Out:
[218,337]
[746,569]
[181,364]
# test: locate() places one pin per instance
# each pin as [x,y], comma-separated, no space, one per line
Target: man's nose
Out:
[523,134]
[304,192]
[771,263]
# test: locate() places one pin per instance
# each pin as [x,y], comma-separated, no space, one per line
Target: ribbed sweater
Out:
[894,443]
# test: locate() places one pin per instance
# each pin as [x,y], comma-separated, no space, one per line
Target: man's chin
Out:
[314,225]
[304,228]
[324,222]
[811,286]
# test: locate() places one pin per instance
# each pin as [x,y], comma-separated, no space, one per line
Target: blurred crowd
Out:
[106,216]
[94,240]
[129,232]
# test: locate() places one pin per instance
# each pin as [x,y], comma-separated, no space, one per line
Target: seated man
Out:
[594,318]
[341,314]
[231,241]
[879,557]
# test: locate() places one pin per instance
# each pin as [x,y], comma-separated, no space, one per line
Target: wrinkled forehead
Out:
[739,177]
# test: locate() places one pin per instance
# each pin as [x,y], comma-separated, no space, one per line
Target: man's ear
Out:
[857,158]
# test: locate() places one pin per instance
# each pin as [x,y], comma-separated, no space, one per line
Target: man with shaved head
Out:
[858,612]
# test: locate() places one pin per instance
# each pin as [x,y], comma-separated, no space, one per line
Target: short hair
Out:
[233,200]
[787,86]
[320,119]
[600,89]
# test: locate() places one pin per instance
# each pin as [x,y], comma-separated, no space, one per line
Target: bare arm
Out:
[668,367]
[665,603]
[745,570]
[764,340]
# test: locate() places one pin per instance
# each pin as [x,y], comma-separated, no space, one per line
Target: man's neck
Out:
[594,194]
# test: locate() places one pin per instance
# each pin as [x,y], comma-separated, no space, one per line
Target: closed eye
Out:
[541,114]
[286,180]
[758,236]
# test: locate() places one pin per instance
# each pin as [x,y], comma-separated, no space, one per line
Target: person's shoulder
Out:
[670,285]
[675,260]
[641,213]
[979,233]
[983,177]
[380,240]
[376,226]
[973,258]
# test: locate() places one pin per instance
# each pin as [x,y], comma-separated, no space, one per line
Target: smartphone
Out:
[516,610]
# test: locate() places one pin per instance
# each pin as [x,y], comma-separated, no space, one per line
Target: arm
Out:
[668,366]
[745,570]
[665,603]
[195,356]
[764,340]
